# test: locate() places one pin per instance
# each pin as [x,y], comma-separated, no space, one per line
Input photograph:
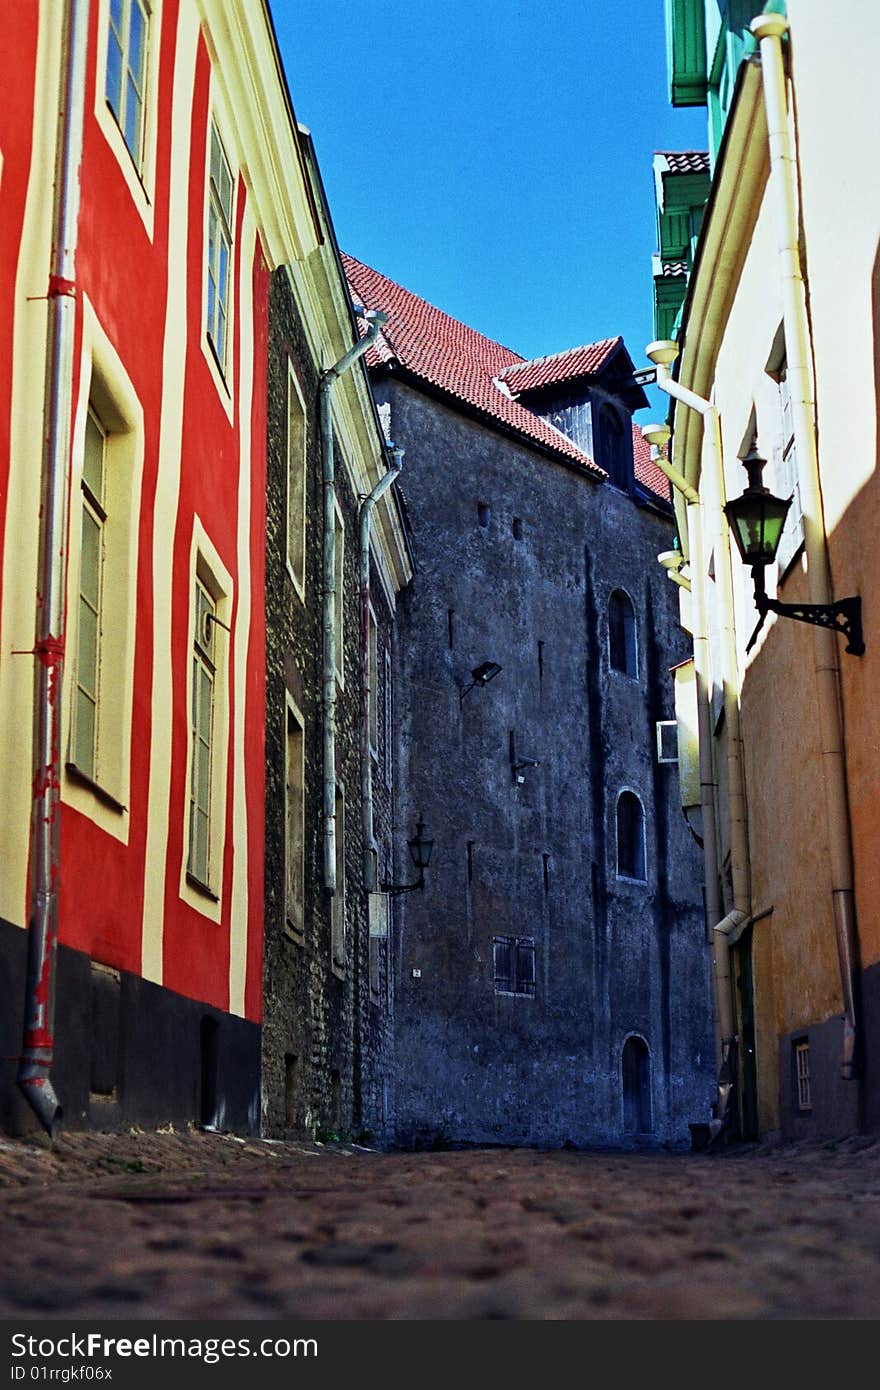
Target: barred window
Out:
[514,958]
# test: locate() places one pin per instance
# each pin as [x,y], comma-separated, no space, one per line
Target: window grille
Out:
[514,960]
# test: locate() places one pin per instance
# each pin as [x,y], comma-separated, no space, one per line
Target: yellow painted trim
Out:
[20,541]
[204,561]
[738,183]
[167,495]
[243,55]
[238,927]
[99,359]
[141,184]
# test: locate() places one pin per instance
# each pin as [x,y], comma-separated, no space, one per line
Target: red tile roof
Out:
[561,367]
[464,364]
[686,161]
[447,354]
[646,471]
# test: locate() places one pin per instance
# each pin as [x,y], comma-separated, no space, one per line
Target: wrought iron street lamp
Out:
[420,847]
[757,519]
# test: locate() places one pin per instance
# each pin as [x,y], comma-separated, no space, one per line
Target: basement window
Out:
[803,1089]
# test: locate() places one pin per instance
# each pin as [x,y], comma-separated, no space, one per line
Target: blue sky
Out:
[495,158]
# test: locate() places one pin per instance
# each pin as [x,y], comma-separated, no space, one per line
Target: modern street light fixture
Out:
[420,848]
[757,519]
[481,675]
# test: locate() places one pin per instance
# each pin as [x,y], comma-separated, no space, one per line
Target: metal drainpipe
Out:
[662,354]
[708,788]
[375,319]
[38,1037]
[367,507]
[768,30]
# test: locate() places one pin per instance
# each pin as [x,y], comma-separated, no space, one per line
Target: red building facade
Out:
[191,190]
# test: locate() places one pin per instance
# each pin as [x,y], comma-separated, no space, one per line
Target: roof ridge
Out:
[564,352]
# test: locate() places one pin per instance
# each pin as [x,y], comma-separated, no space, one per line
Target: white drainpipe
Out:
[663,354]
[370,675]
[38,1041]
[658,435]
[375,320]
[768,30]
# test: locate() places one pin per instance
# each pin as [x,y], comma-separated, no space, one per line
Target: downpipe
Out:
[718,925]
[38,1037]
[370,676]
[768,29]
[375,319]
[711,514]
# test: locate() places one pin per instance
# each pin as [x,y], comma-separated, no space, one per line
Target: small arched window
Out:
[636,1077]
[622,644]
[630,837]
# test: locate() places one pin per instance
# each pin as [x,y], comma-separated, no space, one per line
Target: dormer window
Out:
[614,452]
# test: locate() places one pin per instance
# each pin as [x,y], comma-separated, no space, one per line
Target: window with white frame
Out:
[787,482]
[339,602]
[784,454]
[294,847]
[296,482]
[337,902]
[102,588]
[514,962]
[204,671]
[221,187]
[89,618]
[630,837]
[373,682]
[125,77]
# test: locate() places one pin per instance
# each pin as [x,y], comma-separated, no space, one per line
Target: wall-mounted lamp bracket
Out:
[844,616]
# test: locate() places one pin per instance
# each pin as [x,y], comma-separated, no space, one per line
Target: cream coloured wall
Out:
[837,122]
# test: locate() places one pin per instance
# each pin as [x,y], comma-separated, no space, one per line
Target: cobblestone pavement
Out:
[197,1225]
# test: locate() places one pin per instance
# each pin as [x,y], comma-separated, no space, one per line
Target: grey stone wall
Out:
[537,859]
[326,1037]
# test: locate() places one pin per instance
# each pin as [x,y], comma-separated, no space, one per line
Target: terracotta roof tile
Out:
[646,471]
[452,357]
[561,367]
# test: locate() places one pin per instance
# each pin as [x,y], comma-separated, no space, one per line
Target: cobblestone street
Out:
[207,1226]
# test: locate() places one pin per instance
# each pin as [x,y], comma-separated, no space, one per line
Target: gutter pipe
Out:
[657,435]
[768,29]
[371,676]
[38,1040]
[663,354]
[375,320]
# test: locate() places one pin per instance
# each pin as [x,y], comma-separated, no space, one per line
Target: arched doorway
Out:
[636,1077]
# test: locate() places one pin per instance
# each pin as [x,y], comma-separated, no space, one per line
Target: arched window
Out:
[636,1078]
[622,643]
[630,837]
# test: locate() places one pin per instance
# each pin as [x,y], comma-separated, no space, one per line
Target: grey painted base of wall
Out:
[871,1046]
[128,1051]
[835,1102]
